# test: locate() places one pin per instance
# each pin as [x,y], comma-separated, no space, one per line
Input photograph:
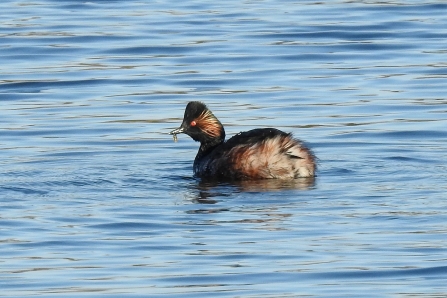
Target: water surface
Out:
[97,199]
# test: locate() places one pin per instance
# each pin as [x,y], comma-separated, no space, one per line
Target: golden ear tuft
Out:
[209,124]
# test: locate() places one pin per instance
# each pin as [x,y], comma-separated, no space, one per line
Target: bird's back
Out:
[257,154]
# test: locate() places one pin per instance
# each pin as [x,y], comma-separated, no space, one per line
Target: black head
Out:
[201,125]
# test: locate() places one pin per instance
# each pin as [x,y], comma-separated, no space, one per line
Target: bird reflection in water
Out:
[266,215]
[211,188]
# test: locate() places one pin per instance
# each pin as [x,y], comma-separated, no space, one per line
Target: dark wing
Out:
[252,137]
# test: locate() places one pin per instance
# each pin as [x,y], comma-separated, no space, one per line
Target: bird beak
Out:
[177,131]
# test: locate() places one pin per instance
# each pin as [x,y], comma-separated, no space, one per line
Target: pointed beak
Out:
[177,131]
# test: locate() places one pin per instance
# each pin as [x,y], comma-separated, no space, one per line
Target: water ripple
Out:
[97,198]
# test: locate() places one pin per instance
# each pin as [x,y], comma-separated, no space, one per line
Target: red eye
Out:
[193,123]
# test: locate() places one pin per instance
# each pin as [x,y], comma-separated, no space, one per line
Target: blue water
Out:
[97,200]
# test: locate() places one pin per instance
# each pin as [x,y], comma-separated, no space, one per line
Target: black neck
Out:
[207,147]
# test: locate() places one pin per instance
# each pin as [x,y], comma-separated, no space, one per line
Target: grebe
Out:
[263,153]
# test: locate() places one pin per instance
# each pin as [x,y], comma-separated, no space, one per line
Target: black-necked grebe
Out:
[262,153]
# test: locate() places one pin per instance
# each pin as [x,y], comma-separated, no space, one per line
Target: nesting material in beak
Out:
[175,132]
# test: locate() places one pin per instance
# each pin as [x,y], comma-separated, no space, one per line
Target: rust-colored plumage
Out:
[208,123]
[264,153]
